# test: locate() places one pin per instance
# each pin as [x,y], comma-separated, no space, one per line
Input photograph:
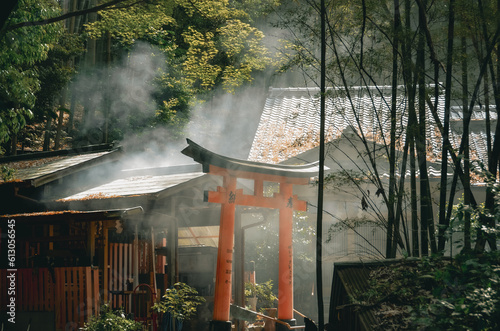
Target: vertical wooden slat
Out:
[88,292]
[81,297]
[106,265]
[46,287]
[41,288]
[96,291]
[64,298]
[34,284]
[120,273]
[114,274]
[26,286]
[73,278]
[125,266]
[57,296]
[50,292]
[40,284]
[69,295]
[125,272]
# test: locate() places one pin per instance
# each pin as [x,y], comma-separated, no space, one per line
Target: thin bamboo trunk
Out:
[443,220]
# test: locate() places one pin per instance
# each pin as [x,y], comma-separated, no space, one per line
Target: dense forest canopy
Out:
[91,72]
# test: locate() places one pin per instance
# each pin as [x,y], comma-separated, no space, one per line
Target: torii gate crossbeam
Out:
[229,197]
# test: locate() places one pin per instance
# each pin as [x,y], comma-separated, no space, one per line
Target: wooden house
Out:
[88,229]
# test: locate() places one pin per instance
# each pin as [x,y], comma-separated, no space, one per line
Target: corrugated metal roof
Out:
[289,123]
[134,185]
[43,170]
[78,215]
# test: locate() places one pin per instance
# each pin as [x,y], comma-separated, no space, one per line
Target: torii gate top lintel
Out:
[294,174]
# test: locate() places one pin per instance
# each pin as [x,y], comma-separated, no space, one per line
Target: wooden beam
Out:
[218,171]
[240,199]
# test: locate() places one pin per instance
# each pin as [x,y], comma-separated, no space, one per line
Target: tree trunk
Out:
[465,137]
[60,120]
[443,220]
[392,223]
[494,158]
[46,139]
[420,140]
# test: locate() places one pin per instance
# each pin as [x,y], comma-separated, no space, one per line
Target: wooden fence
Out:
[72,293]
[120,270]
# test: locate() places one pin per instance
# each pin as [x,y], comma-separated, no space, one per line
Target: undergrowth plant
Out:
[111,320]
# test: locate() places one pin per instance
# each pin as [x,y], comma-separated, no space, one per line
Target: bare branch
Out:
[105,6]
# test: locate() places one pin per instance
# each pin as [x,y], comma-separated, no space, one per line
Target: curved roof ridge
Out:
[206,158]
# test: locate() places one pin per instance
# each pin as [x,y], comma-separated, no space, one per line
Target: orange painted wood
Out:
[96,291]
[258,201]
[69,294]
[214,170]
[113,274]
[27,287]
[42,283]
[285,283]
[48,285]
[88,292]
[106,265]
[59,296]
[81,295]
[119,272]
[258,187]
[222,296]
[34,286]
[125,274]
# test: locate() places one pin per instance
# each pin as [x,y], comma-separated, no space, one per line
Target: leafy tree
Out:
[20,51]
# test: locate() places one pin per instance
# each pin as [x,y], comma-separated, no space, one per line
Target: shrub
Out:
[111,320]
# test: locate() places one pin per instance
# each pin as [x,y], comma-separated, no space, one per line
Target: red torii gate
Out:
[229,196]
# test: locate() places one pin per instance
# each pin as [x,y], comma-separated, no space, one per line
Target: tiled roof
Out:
[290,121]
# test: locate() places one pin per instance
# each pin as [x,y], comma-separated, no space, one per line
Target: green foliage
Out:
[20,51]
[111,320]
[264,293]
[181,301]
[437,293]
[130,22]
[7,173]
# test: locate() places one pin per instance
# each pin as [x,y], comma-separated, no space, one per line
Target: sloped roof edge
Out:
[74,214]
[206,158]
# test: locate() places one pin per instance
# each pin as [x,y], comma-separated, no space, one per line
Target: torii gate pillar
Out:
[229,196]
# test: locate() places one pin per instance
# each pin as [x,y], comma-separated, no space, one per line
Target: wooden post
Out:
[285,282]
[172,247]
[106,263]
[239,268]
[153,260]
[136,256]
[222,297]
[51,233]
